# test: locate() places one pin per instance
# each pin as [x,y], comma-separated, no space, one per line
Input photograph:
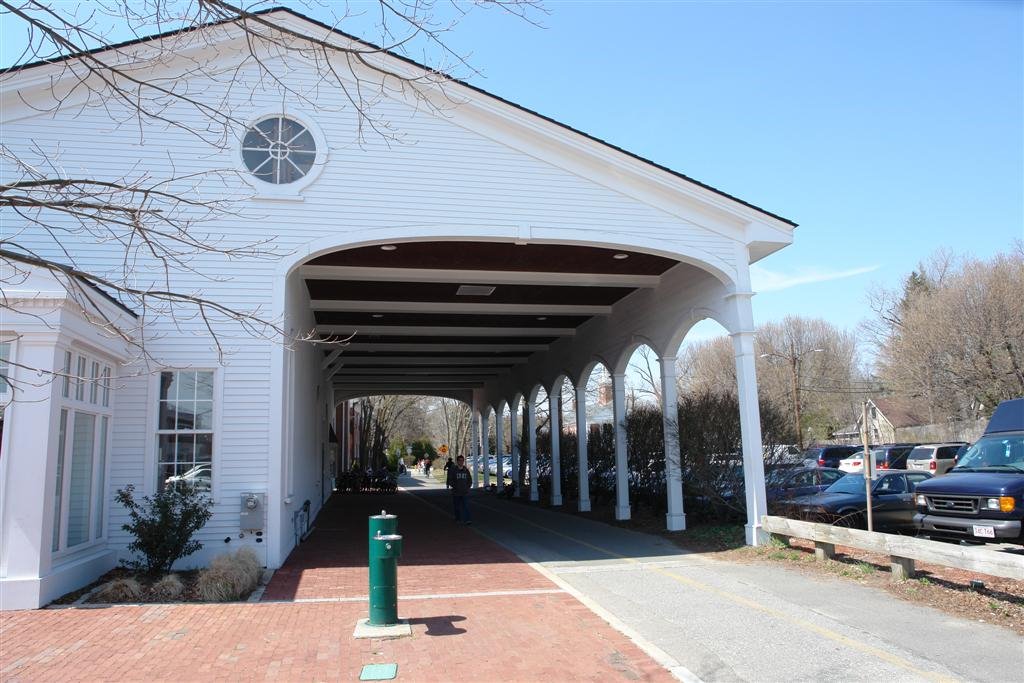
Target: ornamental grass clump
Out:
[168,589]
[230,576]
[119,590]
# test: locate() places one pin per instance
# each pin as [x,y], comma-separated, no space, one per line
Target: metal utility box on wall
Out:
[253,516]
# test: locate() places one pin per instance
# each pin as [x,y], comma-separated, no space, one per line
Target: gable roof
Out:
[332,29]
[902,412]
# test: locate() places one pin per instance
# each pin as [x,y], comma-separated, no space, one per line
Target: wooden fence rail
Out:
[902,550]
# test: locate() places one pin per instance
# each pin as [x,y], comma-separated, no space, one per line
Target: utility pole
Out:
[869,465]
[795,376]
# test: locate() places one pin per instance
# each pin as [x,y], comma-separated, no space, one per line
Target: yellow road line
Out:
[745,602]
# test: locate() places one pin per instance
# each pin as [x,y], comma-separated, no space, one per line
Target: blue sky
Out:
[885,129]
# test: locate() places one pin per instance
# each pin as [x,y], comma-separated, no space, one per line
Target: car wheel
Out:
[851,519]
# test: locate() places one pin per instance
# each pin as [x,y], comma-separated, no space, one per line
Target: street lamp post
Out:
[794,359]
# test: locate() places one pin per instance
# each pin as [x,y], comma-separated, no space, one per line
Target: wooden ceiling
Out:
[413,330]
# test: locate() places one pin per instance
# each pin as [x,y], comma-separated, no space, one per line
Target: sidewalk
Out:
[477,613]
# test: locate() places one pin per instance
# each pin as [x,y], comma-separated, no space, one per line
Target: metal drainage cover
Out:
[378,672]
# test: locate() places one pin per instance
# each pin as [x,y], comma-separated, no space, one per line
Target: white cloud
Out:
[764,280]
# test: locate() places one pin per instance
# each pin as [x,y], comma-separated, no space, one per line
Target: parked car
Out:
[891,456]
[200,476]
[982,498]
[785,484]
[937,458]
[844,503]
[827,456]
[506,466]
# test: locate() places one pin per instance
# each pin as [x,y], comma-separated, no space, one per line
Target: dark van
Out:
[982,498]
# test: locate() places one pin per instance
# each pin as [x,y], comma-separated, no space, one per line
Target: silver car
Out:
[937,458]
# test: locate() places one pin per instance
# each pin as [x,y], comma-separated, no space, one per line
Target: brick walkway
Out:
[461,635]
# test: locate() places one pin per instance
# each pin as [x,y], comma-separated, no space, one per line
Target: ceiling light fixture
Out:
[542,317]
[378,315]
[474,290]
[620,257]
[388,247]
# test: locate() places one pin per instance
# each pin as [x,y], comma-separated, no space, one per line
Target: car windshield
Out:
[1000,451]
[813,453]
[921,453]
[851,483]
[777,476]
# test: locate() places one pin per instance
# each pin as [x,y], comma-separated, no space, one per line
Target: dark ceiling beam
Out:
[484,277]
[423,330]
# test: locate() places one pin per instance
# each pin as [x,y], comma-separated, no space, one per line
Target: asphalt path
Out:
[713,620]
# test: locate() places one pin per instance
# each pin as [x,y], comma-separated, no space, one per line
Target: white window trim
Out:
[65,508]
[289,191]
[149,486]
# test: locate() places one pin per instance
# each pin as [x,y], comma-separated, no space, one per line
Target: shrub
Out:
[119,590]
[163,525]
[168,588]
[230,576]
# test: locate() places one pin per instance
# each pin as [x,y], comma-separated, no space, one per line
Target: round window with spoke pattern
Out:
[279,150]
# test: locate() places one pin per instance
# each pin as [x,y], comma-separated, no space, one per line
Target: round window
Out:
[278,150]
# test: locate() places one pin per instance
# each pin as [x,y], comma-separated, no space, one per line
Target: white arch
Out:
[638,340]
[696,315]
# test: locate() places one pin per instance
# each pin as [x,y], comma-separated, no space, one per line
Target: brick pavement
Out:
[527,637]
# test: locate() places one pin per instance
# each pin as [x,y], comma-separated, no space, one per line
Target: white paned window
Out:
[94,382]
[185,428]
[278,150]
[67,375]
[80,379]
[101,476]
[106,386]
[83,448]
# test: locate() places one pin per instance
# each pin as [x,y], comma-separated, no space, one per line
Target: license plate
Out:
[984,531]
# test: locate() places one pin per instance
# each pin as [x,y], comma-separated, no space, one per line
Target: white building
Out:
[487,253]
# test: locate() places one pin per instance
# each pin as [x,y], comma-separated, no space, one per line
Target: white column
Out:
[27,516]
[514,438]
[675,520]
[485,431]
[750,427]
[499,446]
[621,461]
[556,465]
[474,444]
[531,436]
[583,505]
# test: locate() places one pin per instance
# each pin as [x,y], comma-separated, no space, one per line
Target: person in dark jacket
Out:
[460,479]
[448,467]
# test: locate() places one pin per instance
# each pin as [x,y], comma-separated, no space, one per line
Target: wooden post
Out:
[824,551]
[902,568]
[868,470]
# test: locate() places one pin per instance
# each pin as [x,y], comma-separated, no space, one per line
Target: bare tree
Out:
[959,341]
[151,227]
[805,366]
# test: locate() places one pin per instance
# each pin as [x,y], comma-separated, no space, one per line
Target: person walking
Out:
[460,479]
[448,467]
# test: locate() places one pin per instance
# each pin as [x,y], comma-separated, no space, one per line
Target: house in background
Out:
[897,419]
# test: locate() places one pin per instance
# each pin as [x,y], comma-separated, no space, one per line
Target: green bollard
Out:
[385,547]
